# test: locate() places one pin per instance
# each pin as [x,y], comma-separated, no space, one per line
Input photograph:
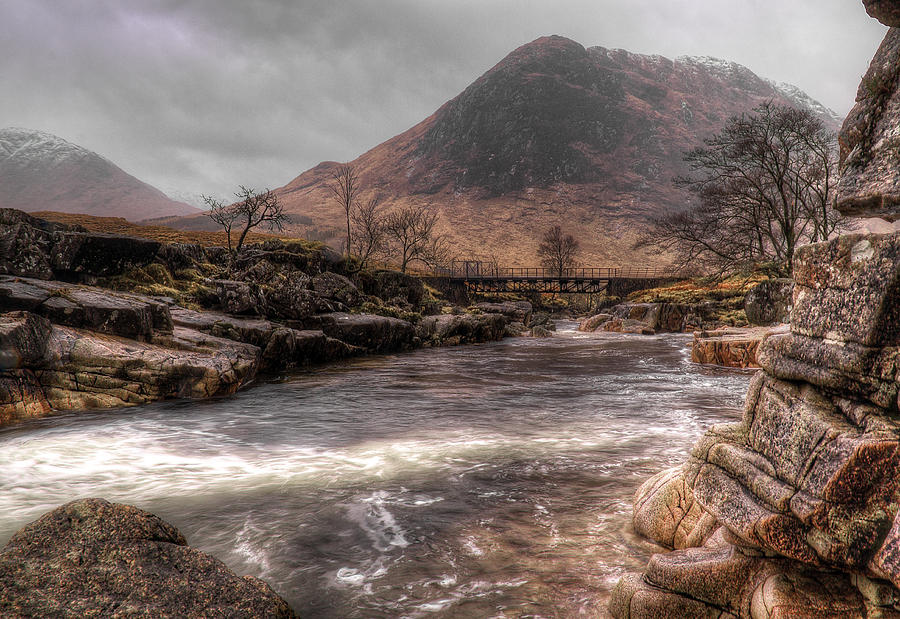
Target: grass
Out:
[163,234]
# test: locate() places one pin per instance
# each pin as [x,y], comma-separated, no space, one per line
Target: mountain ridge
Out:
[554,133]
[41,171]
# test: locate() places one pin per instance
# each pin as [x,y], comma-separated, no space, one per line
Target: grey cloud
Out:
[205,94]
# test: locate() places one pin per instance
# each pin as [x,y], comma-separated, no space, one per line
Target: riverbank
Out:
[91,320]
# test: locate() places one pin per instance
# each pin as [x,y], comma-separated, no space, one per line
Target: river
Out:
[480,481]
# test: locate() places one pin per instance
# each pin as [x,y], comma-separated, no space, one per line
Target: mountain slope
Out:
[553,134]
[40,171]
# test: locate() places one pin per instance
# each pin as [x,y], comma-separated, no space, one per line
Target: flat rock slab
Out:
[366,331]
[731,347]
[89,370]
[92,558]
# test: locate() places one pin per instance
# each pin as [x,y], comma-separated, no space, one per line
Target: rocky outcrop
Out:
[455,329]
[731,347]
[769,302]
[515,311]
[870,165]
[378,334]
[804,490]
[644,318]
[92,558]
[885,11]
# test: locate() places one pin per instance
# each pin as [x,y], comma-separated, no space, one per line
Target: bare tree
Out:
[251,210]
[557,250]
[410,236]
[765,185]
[368,230]
[344,188]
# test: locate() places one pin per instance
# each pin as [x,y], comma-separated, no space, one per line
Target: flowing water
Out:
[484,481]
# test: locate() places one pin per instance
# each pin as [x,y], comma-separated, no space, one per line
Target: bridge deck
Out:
[484,277]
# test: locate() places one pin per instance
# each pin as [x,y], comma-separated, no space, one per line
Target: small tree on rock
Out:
[252,209]
[558,250]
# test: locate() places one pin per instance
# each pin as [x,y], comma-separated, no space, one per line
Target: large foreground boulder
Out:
[92,558]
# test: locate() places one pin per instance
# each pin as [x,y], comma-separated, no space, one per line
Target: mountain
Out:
[553,134]
[42,172]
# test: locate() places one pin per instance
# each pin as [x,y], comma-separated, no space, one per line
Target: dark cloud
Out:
[200,95]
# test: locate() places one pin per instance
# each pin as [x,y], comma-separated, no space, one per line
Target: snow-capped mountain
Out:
[43,172]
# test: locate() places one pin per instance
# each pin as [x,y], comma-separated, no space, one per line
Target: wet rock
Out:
[514,329]
[515,311]
[366,331]
[255,331]
[666,512]
[289,348]
[769,302]
[23,339]
[870,165]
[592,323]
[540,332]
[89,370]
[25,294]
[731,347]
[21,397]
[885,11]
[627,325]
[451,330]
[95,558]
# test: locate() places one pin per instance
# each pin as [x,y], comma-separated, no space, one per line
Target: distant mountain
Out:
[42,172]
[554,133]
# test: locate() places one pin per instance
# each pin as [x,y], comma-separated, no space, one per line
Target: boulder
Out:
[870,161]
[515,311]
[366,331]
[594,322]
[769,302]
[96,254]
[885,11]
[387,285]
[666,512]
[82,369]
[180,256]
[92,558]
[23,339]
[627,325]
[238,297]
[289,348]
[337,287]
[451,330]
[731,347]
[848,290]
[540,332]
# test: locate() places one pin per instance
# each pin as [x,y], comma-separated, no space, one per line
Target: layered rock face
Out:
[91,558]
[793,512]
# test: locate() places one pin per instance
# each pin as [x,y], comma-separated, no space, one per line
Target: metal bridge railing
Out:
[474,271]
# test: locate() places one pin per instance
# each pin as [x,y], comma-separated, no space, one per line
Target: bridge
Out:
[484,277]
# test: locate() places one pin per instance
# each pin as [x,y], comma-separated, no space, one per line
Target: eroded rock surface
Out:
[803,492]
[870,160]
[92,558]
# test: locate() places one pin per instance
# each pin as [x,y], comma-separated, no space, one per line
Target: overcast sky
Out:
[199,96]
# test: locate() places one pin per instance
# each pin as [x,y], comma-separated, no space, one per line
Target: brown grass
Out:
[164,234]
